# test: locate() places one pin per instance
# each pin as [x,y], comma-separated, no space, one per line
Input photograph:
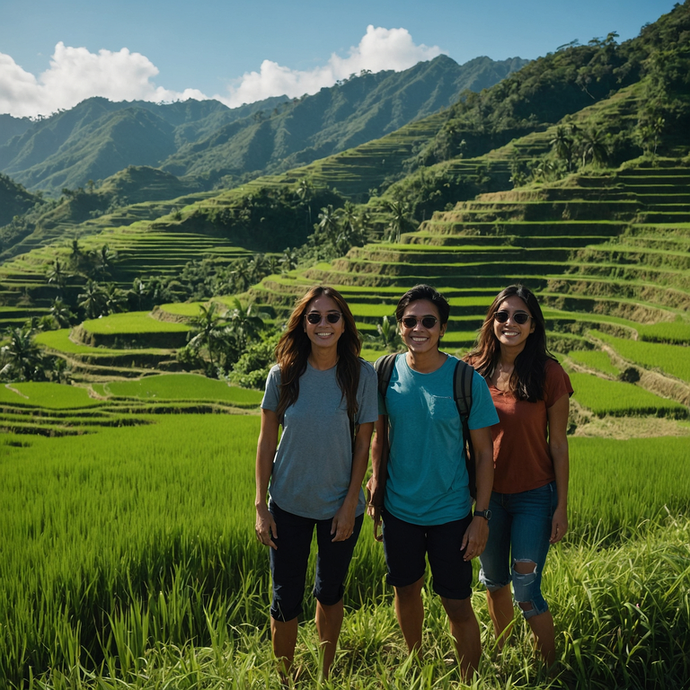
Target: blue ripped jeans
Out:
[519,531]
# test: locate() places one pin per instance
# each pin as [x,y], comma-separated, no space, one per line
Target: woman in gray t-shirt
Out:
[325,398]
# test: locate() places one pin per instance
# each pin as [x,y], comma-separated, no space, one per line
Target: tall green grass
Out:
[120,544]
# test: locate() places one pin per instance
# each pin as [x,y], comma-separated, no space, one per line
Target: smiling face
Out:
[323,334]
[420,339]
[510,333]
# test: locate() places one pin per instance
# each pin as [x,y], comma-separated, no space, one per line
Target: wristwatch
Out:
[486,514]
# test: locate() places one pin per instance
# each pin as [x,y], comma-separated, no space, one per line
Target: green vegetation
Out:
[53,396]
[594,359]
[129,558]
[179,387]
[672,359]
[619,398]
[182,577]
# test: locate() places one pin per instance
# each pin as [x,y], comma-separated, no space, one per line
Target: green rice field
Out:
[595,359]
[671,359]
[131,322]
[619,398]
[129,560]
[179,387]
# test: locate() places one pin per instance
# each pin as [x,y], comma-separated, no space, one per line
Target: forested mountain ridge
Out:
[210,141]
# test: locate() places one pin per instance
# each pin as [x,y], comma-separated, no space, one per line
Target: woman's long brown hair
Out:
[529,374]
[294,348]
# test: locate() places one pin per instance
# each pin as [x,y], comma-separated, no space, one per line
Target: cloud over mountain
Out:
[378,50]
[75,74]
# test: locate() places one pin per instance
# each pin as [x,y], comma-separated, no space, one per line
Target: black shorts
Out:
[406,546]
[289,562]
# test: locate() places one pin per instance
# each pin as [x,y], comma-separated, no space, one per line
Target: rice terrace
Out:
[139,314]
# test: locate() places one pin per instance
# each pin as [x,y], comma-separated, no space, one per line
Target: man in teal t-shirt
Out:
[429,485]
[426,506]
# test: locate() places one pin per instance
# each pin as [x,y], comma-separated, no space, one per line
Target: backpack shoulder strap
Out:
[462,388]
[384,370]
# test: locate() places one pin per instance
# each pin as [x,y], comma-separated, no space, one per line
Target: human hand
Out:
[343,524]
[559,525]
[265,528]
[475,537]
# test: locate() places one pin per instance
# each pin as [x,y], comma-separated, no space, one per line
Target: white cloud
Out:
[75,74]
[378,50]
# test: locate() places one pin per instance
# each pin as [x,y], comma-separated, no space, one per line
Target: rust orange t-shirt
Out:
[522,460]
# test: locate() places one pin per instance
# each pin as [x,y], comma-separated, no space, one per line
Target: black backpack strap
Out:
[462,388]
[384,370]
[462,393]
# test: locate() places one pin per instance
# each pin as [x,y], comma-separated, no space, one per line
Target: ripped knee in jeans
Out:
[524,581]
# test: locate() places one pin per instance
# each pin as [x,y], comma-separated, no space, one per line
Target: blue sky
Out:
[55,53]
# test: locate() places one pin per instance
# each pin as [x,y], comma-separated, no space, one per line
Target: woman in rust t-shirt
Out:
[528,506]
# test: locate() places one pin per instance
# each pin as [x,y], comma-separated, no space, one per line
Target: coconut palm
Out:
[400,219]
[21,357]
[61,313]
[328,223]
[209,330]
[92,300]
[245,323]
[57,275]
[563,145]
[114,299]
[289,260]
[593,147]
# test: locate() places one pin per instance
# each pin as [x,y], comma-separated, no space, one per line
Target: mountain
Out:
[219,145]
[14,199]
[12,127]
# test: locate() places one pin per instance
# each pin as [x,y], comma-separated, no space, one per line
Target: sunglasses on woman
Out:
[426,321]
[520,317]
[314,317]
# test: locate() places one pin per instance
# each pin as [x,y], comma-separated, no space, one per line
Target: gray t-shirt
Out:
[313,463]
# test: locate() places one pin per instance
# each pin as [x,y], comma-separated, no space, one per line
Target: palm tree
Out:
[57,276]
[593,147]
[103,259]
[76,257]
[114,299]
[241,275]
[209,330]
[61,313]
[328,223]
[289,260]
[305,192]
[21,356]
[245,323]
[562,144]
[92,300]
[400,219]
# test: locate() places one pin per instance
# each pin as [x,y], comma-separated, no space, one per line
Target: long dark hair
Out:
[529,374]
[294,347]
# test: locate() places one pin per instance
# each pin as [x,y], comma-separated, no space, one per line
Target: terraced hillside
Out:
[608,253]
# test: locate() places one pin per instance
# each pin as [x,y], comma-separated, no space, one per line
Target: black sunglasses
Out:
[314,317]
[427,321]
[520,317]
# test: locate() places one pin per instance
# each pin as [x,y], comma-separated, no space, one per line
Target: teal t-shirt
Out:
[427,478]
